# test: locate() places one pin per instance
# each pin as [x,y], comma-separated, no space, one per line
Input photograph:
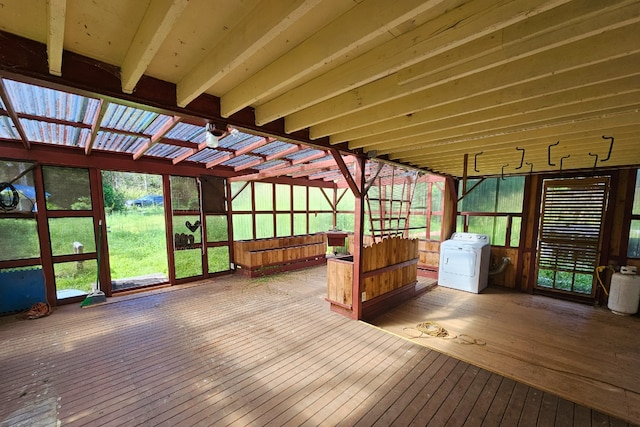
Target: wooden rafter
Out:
[56,13]
[248,37]
[12,114]
[95,126]
[154,28]
[283,153]
[244,150]
[155,138]
[286,170]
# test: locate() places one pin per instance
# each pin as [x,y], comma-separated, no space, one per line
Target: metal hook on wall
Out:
[610,147]
[530,167]
[562,159]
[596,161]
[475,161]
[502,175]
[549,153]
[522,158]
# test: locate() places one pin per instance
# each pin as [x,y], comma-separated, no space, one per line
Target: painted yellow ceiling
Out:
[511,86]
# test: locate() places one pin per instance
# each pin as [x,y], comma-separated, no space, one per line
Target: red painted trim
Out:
[16,263]
[168,226]
[43,234]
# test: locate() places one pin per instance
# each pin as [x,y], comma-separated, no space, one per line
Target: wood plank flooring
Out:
[239,351]
[583,353]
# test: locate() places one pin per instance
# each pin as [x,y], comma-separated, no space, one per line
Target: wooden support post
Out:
[450,209]
[465,165]
[358,235]
[168,220]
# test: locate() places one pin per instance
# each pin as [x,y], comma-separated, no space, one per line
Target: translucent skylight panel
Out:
[273,148]
[7,129]
[239,161]
[44,102]
[52,133]
[128,118]
[187,132]
[118,142]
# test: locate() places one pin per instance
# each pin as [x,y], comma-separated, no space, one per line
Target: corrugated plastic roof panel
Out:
[239,161]
[269,164]
[7,129]
[117,142]
[128,118]
[164,150]
[186,132]
[273,148]
[238,140]
[44,102]
[53,133]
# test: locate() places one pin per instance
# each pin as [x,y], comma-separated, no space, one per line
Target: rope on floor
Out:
[431,329]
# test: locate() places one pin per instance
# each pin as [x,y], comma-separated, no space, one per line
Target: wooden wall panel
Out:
[508,278]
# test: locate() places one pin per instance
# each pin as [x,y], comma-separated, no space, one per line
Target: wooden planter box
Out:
[390,271]
[269,256]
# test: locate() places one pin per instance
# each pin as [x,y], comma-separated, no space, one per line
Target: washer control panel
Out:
[470,237]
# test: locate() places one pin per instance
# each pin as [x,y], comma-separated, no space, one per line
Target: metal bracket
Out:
[549,153]
[562,159]
[522,158]
[475,161]
[502,174]
[530,167]
[596,161]
[610,147]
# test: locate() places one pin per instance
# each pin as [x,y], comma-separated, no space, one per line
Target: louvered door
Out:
[570,234]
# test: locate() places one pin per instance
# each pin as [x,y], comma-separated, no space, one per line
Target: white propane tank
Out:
[624,294]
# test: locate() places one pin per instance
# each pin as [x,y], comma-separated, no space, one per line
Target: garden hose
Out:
[599,270]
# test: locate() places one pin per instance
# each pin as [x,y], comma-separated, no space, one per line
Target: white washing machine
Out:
[464,262]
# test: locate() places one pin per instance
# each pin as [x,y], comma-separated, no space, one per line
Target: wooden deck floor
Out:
[258,352]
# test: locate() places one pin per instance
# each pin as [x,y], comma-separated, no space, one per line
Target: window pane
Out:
[218,259]
[436,227]
[299,224]
[242,201]
[264,226]
[18,239]
[347,203]
[20,288]
[242,227]
[436,198]
[634,240]
[418,226]
[71,235]
[283,197]
[182,225]
[516,225]
[511,194]
[480,199]
[317,199]
[217,228]
[345,222]
[188,263]
[264,196]
[75,278]
[184,194]
[299,198]
[419,199]
[283,224]
[21,196]
[320,222]
[636,196]
[67,188]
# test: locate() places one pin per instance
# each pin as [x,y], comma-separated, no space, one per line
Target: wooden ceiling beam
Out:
[523,122]
[248,37]
[619,43]
[449,117]
[595,125]
[560,26]
[360,24]
[12,114]
[56,14]
[156,24]
[458,26]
